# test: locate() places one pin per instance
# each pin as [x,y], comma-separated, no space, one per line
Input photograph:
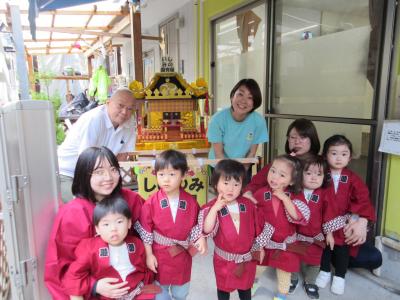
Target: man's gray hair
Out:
[122,90]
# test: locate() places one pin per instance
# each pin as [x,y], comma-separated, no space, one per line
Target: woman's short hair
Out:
[175,159]
[114,205]
[228,168]
[88,161]
[305,128]
[253,88]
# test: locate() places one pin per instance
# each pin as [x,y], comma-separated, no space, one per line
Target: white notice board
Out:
[390,140]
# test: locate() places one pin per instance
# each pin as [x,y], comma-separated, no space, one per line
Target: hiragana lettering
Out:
[146,188]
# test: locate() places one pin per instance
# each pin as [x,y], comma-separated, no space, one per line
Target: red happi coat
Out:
[156,215]
[283,228]
[72,224]
[352,197]
[322,212]
[259,180]
[226,238]
[93,259]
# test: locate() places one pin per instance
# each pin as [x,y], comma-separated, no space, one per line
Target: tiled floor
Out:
[203,285]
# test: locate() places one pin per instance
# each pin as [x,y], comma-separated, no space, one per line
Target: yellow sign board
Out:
[195,182]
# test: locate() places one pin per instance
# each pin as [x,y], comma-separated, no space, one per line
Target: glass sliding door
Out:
[357,134]
[239,51]
[325,55]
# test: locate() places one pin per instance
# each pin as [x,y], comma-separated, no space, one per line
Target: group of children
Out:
[300,222]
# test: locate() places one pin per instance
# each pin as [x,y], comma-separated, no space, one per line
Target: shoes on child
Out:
[293,286]
[279,296]
[337,286]
[311,290]
[323,279]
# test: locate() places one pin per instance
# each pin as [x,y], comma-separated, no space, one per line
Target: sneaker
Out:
[293,286]
[311,290]
[323,279]
[338,285]
[279,296]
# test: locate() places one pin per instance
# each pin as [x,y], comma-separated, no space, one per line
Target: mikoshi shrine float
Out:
[172,114]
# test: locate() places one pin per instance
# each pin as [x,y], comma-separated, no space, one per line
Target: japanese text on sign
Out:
[390,140]
[195,183]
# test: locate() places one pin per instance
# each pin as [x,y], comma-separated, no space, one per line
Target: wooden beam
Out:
[89,64]
[35,70]
[31,73]
[86,26]
[63,53]
[53,47]
[75,12]
[153,38]
[136,31]
[79,31]
[59,40]
[51,33]
[45,28]
[118,27]
[75,77]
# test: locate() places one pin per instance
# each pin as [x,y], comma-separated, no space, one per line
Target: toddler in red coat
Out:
[232,221]
[111,254]
[351,198]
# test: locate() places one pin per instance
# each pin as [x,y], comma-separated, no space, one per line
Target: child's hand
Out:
[151,262]
[330,241]
[201,245]
[249,195]
[110,288]
[356,232]
[220,203]
[280,194]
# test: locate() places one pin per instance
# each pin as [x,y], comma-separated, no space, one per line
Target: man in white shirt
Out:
[110,125]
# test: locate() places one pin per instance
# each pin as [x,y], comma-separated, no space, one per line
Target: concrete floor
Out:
[203,286]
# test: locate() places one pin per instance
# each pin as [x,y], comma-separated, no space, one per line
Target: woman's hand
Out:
[201,245]
[107,287]
[356,232]
[249,195]
[151,262]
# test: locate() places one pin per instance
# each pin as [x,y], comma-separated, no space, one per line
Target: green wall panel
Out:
[392,215]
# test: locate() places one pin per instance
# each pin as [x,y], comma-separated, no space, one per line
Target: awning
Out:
[35,6]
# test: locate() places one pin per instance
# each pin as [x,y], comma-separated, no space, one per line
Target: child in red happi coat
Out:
[232,221]
[169,229]
[112,254]
[281,213]
[323,221]
[351,197]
